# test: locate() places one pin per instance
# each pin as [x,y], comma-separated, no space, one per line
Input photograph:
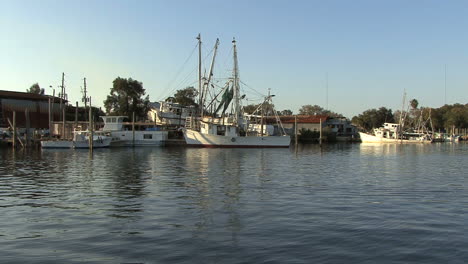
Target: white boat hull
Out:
[97,143]
[142,138]
[58,144]
[366,138]
[197,139]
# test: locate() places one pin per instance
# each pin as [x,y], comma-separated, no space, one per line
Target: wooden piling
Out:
[14,130]
[50,119]
[76,115]
[295,131]
[90,129]
[320,139]
[133,129]
[28,126]
[63,122]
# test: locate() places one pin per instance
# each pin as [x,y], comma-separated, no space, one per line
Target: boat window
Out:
[113,120]
[148,136]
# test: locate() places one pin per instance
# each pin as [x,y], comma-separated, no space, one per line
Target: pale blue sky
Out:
[371,50]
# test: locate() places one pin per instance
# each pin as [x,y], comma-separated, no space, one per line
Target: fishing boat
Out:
[122,133]
[230,129]
[390,133]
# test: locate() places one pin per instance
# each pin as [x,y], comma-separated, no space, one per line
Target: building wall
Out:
[38,112]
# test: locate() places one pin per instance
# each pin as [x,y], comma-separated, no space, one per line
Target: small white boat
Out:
[123,136]
[81,140]
[57,144]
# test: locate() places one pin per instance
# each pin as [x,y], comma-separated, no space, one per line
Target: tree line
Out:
[440,119]
[127,96]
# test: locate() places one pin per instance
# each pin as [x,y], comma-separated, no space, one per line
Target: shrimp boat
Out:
[389,133]
[233,129]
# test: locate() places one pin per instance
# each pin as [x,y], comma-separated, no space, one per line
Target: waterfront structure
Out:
[37,106]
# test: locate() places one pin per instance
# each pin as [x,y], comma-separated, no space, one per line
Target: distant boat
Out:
[234,130]
[390,133]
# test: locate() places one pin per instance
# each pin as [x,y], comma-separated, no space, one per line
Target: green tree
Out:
[317,110]
[414,104]
[127,96]
[35,89]
[285,112]
[185,97]
[373,118]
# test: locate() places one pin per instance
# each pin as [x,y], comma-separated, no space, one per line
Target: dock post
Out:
[90,130]
[133,129]
[50,119]
[14,130]
[63,122]
[320,139]
[295,131]
[76,115]
[28,126]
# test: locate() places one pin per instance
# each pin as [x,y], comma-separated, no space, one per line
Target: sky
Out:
[345,56]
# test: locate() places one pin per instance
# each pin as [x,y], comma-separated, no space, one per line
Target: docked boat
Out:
[169,113]
[390,133]
[81,140]
[56,144]
[234,129]
[123,135]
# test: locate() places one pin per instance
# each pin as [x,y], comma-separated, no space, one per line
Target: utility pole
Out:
[85,99]
[62,94]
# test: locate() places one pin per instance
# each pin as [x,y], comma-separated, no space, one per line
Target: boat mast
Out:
[401,122]
[236,85]
[209,77]
[199,72]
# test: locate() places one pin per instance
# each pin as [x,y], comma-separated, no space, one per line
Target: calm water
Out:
[351,203]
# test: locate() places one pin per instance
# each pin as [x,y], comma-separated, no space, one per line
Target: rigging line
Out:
[179,72]
[181,83]
[228,57]
[252,89]
[171,83]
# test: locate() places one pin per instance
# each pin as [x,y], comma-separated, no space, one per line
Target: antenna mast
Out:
[85,99]
[326,86]
[236,84]
[207,85]
[445,86]
[199,72]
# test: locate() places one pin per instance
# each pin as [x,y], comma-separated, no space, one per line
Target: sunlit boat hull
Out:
[197,139]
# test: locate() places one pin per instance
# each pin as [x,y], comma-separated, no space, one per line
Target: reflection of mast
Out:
[236,85]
